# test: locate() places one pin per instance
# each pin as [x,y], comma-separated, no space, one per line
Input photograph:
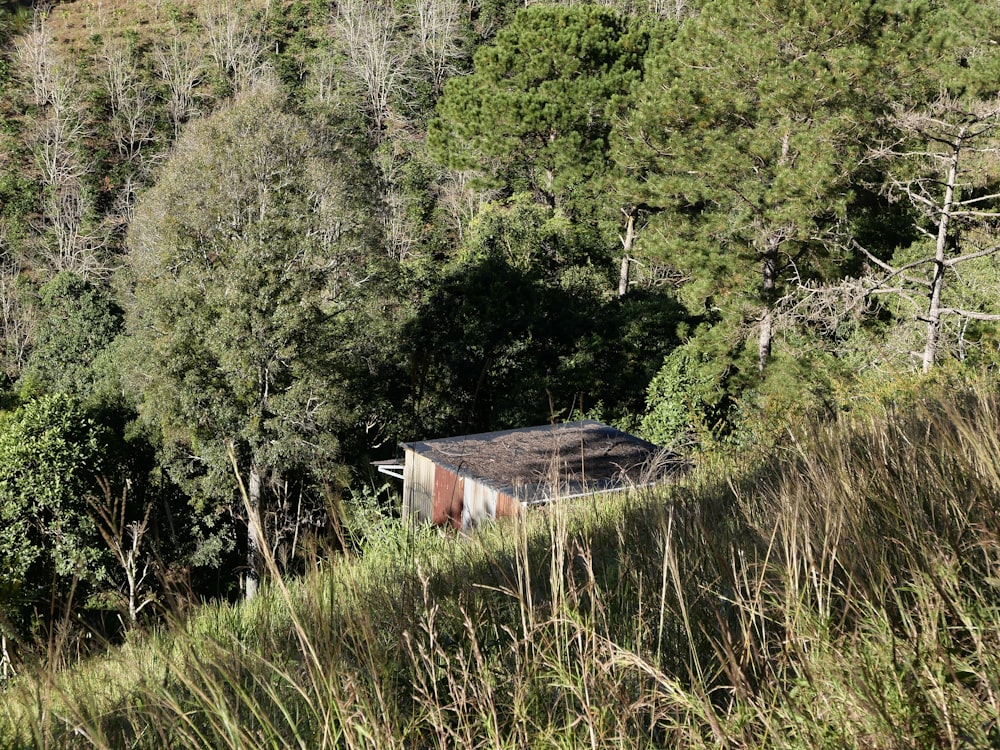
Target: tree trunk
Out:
[937,282]
[6,663]
[769,278]
[769,273]
[627,241]
[252,581]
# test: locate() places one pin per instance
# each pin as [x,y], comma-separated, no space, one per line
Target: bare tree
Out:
[57,133]
[34,55]
[17,321]
[398,228]
[234,42]
[6,662]
[125,540]
[461,200]
[53,88]
[130,97]
[437,31]
[675,9]
[946,166]
[180,66]
[376,58]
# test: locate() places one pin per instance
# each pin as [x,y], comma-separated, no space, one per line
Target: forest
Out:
[247,247]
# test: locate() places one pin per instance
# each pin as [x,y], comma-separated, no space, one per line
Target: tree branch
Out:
[970,314]
[892,271]
[972,256]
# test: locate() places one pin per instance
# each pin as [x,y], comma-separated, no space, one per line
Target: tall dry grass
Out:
[840,591]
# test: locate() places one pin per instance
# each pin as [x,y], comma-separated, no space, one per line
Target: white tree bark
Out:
[252,580]
[627,241]
[70,238]
[438,34]
[940,247]
[180,66]
[234,43]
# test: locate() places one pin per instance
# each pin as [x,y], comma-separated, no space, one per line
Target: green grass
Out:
[842,590]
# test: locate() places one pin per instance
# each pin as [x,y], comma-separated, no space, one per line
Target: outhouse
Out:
[462,481]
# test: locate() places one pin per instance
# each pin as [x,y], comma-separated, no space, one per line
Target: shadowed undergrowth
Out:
[842,591]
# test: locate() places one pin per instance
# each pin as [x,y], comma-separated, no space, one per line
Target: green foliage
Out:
[245,261]
[291,25]
[748,133]
[77,322]
[538,240]
[956,55]
[18,200]
[371,522]
[520,329]
[51,452]
[687,400]
[536,113]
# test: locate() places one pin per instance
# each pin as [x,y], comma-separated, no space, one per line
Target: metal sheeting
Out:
[449,495]
[484,503]
[480,504]
[507,506]
[542,463]
[418,487]
[437,494]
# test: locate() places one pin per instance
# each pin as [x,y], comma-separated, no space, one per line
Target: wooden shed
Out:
[462,481]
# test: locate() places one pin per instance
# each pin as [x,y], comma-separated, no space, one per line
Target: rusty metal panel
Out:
[449,495]
[480,504]
[418,487]
[507,506]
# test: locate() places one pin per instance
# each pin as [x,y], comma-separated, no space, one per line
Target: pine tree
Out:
[748,133]
[537,111]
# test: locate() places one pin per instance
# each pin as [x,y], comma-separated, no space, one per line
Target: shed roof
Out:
[536,464]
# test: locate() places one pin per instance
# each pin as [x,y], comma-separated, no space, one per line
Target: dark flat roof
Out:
[540,463]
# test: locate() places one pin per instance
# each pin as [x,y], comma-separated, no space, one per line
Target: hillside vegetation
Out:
[249,246]
[841,592]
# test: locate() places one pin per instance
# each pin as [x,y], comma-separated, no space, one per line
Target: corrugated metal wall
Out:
[484,503]
[449,493]
[418,487]
[436,494]
[480,504]
[507,507]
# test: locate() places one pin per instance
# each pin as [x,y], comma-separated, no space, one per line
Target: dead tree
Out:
[233,41]
[437,32]
[180,66]
[376,58]
[131,99]
[126,540]
[945,165]
[57,131]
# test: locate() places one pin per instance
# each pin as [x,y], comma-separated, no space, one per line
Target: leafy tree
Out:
[51,453]
[688,398]
[243,257]
[748,134]
[537,111]
[77,322]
